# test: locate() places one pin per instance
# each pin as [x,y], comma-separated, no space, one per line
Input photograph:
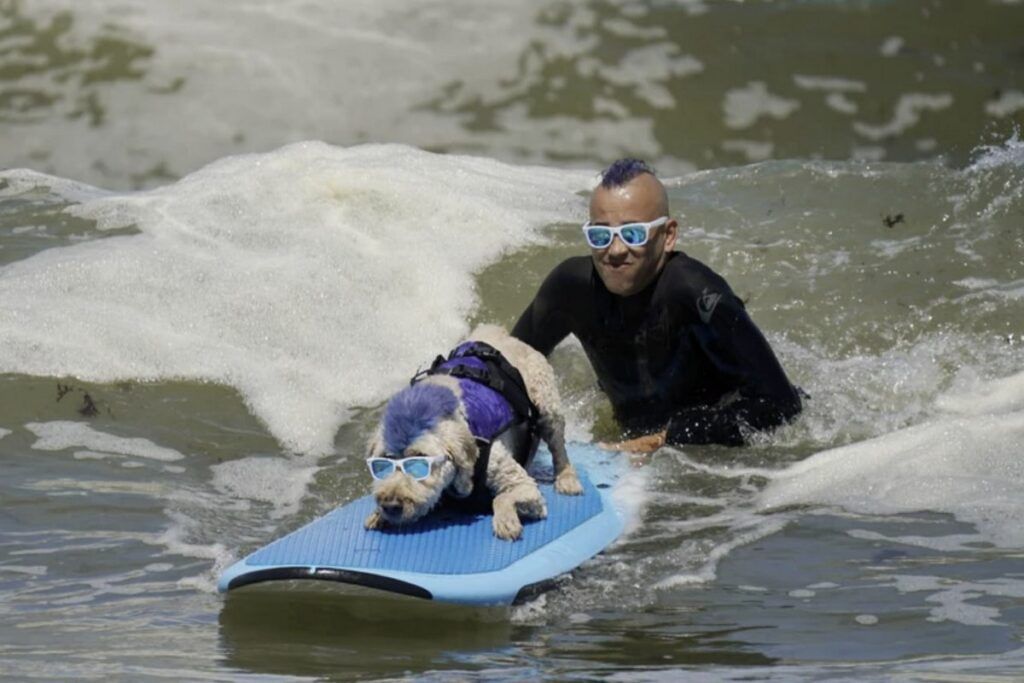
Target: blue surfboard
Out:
[451,556]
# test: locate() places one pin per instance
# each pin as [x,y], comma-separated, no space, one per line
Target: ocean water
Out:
[229,231]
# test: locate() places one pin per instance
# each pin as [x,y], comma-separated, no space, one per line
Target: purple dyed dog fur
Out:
[413,411]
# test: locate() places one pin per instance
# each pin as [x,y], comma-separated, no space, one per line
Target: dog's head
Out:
[426,419]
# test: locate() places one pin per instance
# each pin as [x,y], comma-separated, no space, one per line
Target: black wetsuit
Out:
[682,353]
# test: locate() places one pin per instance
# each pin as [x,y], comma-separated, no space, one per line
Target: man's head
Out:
[629,192]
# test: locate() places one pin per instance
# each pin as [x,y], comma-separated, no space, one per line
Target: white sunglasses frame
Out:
[399,464]
[617,231]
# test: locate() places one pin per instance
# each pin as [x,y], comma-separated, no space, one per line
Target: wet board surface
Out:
[451,556]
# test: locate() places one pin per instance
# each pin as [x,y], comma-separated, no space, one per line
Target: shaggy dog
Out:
[430,419]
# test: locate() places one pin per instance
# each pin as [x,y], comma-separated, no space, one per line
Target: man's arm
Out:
[546,322]
[763,396]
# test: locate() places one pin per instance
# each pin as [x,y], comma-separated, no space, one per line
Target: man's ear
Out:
[671,233]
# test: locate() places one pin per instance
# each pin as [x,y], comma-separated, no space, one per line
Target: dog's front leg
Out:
[506,519]
[522,499]
[374,521]
[515,494]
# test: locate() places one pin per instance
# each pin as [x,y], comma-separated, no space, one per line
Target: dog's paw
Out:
[568,483]
[374,521]
[507,526]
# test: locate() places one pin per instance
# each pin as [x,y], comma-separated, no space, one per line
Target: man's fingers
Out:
[644,444]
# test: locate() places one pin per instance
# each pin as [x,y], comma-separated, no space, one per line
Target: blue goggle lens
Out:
[633,234]
[417,468]
[381,467]
[599,237]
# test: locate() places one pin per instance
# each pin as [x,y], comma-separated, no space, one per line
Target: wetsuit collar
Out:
[627,311]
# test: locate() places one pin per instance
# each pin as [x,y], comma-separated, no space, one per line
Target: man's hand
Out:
[643,444]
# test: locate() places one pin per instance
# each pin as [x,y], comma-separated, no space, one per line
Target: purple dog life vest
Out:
[487,411]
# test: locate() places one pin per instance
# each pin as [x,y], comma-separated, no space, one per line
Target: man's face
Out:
[627,270]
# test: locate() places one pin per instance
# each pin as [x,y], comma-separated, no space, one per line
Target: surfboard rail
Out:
[448,556]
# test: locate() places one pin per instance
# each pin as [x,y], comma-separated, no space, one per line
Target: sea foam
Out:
[965,462]
[312,279]
[58,435]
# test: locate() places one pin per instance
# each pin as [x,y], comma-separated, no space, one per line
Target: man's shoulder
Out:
[695,289]
[576,264]
[575,269]
[683,272]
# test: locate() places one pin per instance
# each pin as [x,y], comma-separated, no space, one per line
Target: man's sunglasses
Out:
[418,467]
[631,234]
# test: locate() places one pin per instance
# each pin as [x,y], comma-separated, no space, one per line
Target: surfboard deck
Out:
[451,556]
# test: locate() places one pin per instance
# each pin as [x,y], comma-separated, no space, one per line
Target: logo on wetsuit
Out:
[706,303]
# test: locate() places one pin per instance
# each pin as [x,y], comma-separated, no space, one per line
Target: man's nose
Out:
[618,248]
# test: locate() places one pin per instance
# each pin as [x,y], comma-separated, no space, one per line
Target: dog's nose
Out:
[391,509]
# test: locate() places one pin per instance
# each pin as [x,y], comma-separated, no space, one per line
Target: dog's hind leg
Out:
[539,378]
[552,430]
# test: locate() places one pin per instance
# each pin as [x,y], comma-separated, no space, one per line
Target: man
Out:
[672,346]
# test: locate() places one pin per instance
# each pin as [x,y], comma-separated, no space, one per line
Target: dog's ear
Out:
[375,446]
[462,449]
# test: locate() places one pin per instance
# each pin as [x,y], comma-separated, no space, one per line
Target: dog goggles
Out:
[418,467]
[631,234]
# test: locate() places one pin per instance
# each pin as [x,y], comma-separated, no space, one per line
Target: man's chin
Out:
[618,283]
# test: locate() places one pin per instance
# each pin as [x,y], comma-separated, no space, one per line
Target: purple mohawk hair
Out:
[622,171]
[413,411]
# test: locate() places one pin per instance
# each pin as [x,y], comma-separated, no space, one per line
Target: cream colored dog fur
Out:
[401,499]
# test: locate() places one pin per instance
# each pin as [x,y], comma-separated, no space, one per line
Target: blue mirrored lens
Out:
[599,237]
[381,468]
[633,234]
[417,468]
